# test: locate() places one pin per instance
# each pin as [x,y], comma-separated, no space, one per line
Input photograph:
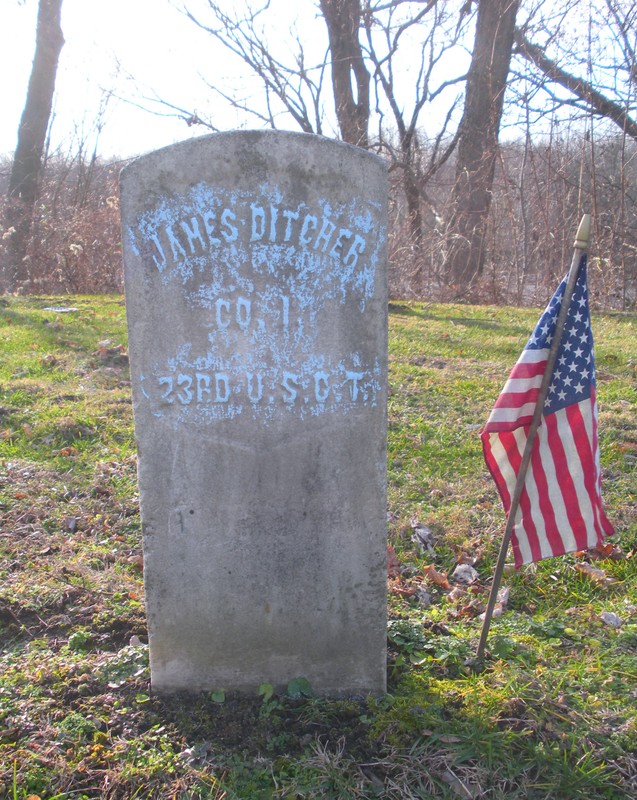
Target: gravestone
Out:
[255,276]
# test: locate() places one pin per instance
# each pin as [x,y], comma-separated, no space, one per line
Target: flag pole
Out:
[580,247]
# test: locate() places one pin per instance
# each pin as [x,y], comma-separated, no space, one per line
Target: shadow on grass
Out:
[424,313]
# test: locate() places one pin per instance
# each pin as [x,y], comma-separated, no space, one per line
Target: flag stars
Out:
[573,373]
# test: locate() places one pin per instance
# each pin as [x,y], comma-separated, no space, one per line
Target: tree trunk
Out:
[23,183]
[342,18]
[477,147]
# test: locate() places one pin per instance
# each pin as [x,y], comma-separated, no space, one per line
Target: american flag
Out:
[560,507]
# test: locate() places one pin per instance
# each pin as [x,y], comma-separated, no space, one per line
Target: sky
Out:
[120,54]
[130,48]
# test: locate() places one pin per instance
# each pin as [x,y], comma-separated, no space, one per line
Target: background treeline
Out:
[540,190]
[501,121]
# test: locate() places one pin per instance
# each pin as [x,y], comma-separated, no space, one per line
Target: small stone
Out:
[611,619]
[423,597]
[465,573]
[70,524]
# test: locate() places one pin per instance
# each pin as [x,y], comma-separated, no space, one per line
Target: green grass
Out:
[551,716]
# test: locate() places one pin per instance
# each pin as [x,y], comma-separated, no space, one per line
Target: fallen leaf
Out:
[423,537]
[402,589]
[68,451]
[456,593]
[595,575]
[608,551]
[627,446]
[438,578]
[469,556]
[605,551]
[393,566]
[136,561]
[469,611]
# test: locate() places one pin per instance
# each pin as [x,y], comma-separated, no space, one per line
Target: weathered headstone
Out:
[256,301]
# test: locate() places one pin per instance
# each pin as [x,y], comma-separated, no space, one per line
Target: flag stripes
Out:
[560,508]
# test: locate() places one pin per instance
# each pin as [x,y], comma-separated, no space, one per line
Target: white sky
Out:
[137,48]
[134,48]
[150,41]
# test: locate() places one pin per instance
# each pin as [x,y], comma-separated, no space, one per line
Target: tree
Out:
[292,86]
[599,75]
[402,65]
[343,20]
[32,131]
[434,29]
[478,144]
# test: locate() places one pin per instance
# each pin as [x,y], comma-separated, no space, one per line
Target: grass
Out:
[552,715]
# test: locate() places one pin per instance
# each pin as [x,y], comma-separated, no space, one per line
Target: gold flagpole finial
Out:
[583,233]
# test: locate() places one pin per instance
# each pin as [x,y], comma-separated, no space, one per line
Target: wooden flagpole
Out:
[580,246]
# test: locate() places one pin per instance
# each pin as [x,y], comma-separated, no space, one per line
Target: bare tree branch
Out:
[581,88]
